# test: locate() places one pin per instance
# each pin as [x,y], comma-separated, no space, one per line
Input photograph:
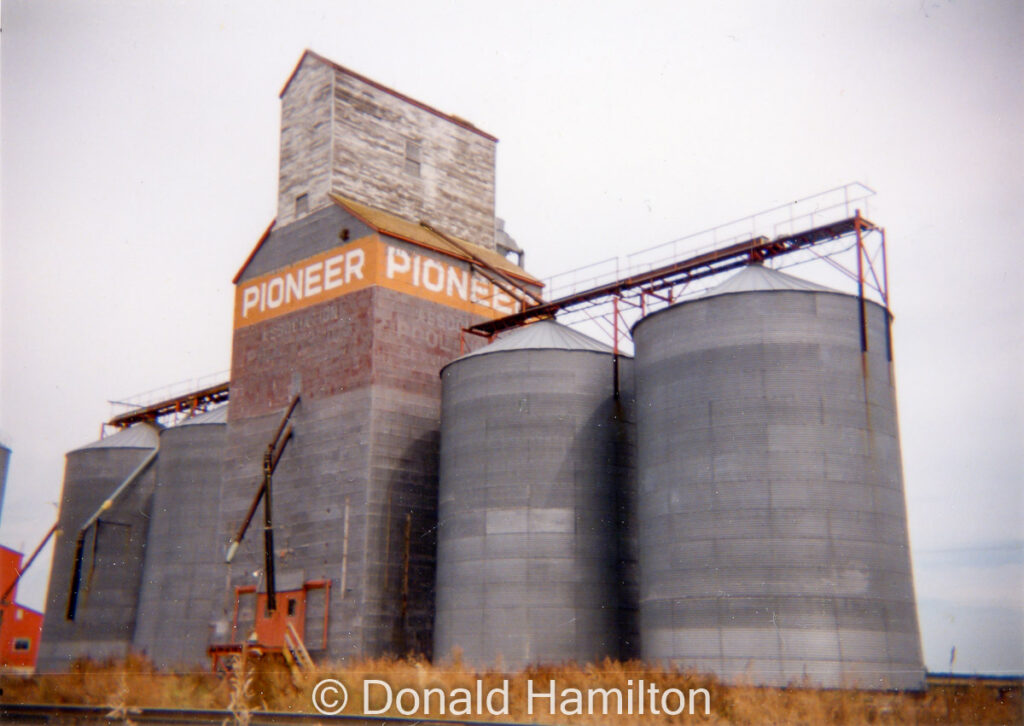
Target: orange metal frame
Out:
[270,626]
[192,401]
[665,284]
[262,617]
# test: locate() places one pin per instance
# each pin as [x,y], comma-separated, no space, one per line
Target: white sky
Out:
[139,158]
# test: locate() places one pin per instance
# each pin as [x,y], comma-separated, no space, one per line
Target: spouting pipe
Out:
[76,574]
[237,539]
[28,564]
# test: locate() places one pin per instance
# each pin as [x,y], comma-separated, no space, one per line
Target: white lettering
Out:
[571,696]
[397,261]
[707,699]
[313,283]
[458,283]
[652,692]
[378,698]
[250,297]
[440,700]
[503,692]
[306,283]
[275,293]
[354,265]
[332,272]
[464,698]
[407,710]
[503,302]
[605,693]
[367,709]
[433,266]
[293,286]
[530,695]
[481,292]
[680,698]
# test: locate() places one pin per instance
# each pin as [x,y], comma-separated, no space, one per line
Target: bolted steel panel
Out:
[534,543]
[771,515]
[5,458]
[183,571]
[113,553]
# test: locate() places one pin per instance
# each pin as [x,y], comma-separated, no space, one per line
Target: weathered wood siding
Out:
[305,140]
[340,133]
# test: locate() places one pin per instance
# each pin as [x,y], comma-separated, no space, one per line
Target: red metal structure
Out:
[19,626]
[193,401]
[268,630]
[825,228]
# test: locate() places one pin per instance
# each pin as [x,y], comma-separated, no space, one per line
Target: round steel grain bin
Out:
[773,530]
[113,552]
[5,458]
[183,579]
[534,447]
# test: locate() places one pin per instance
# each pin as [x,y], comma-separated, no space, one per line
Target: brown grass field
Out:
[271,686]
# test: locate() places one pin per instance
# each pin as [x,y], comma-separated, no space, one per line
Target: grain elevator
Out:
[413,455]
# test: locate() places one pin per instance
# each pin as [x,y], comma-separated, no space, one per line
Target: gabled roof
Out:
[259,243]
[400,228]
[757,278]
[404,229]
[380,87]
[139,436]
[543,335]
[11,550]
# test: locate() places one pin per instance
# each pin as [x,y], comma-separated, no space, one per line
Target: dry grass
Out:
[267,684]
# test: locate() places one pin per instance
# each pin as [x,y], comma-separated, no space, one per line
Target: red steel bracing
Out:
[644,294]
[885,272]
[879,287]
[860,283]
[668,277]
[195,400]
[619,318]
[28,563]
[600,320]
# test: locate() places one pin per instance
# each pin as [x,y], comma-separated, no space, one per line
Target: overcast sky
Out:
[139,167]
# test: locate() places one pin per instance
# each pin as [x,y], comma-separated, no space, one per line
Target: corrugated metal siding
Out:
[184,571]
[5,458]
[773,539]
[113,563]
[534,453]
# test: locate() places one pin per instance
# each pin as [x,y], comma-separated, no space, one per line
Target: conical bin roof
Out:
[543,335]
[139,436]
[757,278]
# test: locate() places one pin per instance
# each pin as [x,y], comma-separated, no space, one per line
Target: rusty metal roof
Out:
[395,226]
